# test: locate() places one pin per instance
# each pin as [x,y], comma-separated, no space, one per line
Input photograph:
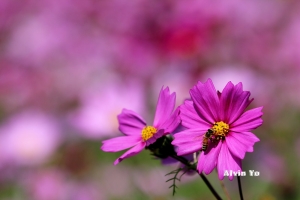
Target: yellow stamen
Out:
[220,129]
[148,132]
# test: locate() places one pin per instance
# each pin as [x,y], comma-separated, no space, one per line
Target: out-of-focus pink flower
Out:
[266,158]
[46,185]
[184,40]
[288,52]
[35,40]
[177,79]
[60,39]
[249,14]
[22,86]
[133,57]
[138,134]
[96,116]
[53,184]
[223,114]
[29,138]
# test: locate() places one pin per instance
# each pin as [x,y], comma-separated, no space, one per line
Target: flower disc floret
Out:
[220,130]
[148,132]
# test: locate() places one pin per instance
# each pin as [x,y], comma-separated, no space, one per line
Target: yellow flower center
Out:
[148,132]
[220,130]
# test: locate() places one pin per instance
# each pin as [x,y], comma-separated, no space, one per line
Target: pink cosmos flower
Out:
[138,135]
[224,114]
[93,124]
[29,138]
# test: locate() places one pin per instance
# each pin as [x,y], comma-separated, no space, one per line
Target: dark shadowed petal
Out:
[172,122]
[250,120]
[120,143]
[190,118]
[208,159]
[131,152]
[240,143]
[165,106]
[168,161]
[130,123]
[233,102]
[157,135]
[206,101]
[227,161]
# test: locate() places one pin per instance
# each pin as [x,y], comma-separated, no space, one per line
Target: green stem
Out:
[163,148]
[186,162]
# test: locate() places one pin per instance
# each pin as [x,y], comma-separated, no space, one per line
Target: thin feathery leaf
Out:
[185,171]
[175,178]
[172,172]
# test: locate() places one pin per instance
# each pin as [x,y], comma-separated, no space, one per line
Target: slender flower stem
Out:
[163,148]
[185,162]
[210,187]
[240,188]
[225,190]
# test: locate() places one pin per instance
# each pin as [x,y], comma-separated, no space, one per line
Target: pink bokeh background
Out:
[67,68]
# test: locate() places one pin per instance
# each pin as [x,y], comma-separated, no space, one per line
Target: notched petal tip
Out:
[130,123]
[166,89]
[172,122]
[249,120]
[229,84]
[209,80]
[206,101]
[165,106]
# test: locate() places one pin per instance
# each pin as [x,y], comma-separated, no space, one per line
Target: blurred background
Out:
[67,68]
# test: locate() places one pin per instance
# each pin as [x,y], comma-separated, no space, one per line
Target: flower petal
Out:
[189,147]
[131,152]
[240,143]
[130,123]
[190,118]
[233,102]
[249,120]
[188,141]
[189,135]
[172,122]
[208,159]
[165,106]
[227,162]
[206,101]
[120,143]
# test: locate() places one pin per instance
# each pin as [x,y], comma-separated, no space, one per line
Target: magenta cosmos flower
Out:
[222,113]
[138,134]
